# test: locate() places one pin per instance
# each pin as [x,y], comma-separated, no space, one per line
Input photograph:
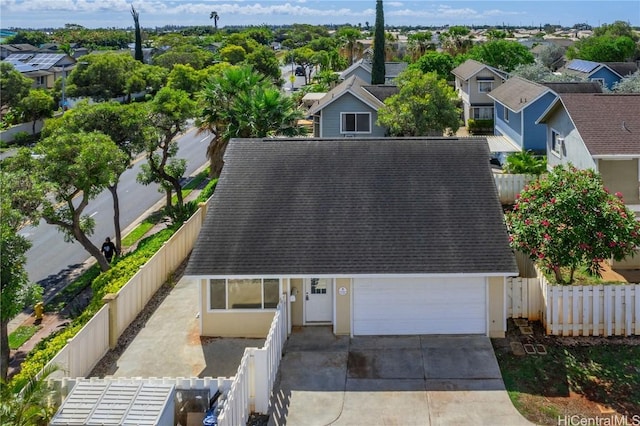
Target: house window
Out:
[41,80]
[506,114]
[485,86]
[483,113]
[254,293]
[352,122]
[556,142]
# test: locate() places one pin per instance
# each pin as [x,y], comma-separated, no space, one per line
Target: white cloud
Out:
[394,4]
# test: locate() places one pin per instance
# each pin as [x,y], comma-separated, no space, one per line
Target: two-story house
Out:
[605,73]
[473,82]
[43,68]
[518,103]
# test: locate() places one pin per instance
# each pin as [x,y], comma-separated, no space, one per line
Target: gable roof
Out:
[517,93]
[391,69]
[586,68]
[471,67]
[623,69]
[609,124]
[356,206]
[355,86]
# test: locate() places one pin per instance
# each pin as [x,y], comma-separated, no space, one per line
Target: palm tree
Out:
[419,43]
[241,103]
[25,404]
[214,15]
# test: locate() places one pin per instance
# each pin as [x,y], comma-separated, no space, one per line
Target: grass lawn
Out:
[576,377]
[21,335]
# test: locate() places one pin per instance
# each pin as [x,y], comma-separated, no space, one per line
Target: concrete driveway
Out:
[390,380]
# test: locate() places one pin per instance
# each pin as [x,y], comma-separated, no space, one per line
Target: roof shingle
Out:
[357,206]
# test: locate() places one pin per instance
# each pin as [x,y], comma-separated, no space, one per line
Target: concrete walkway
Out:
[398,380]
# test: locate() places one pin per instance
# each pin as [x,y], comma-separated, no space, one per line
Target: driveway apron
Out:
[390,380]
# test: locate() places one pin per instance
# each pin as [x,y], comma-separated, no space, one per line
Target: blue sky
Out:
[115,13]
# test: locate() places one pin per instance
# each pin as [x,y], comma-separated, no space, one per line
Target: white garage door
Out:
[383,306]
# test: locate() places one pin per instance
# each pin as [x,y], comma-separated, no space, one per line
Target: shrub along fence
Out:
[576,310]
[84,350]
[510,185]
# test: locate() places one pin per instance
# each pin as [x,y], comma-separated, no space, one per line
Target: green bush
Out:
[110,281]
[479,126]
[525,162]
[207,191]
[22,138]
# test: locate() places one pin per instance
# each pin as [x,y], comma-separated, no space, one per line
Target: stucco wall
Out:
[296,307]
[497,313]
[343,307]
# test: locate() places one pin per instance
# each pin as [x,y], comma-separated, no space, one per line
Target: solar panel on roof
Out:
[20,56]
[45,60]
[582,65]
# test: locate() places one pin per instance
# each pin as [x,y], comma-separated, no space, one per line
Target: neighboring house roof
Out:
[355,86]
[354,207]
[623,69]
[391,69]
[471,67]
[39,61]
[575,87]
[517,93]
[586,68]
[609,124]
[20,47]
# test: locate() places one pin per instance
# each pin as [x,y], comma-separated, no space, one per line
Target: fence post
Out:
[203,209]
[260,378]
[112,300]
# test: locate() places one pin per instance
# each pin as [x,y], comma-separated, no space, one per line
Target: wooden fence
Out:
[510,185]
[599,310]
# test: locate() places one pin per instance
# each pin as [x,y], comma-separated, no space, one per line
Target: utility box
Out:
[117,403]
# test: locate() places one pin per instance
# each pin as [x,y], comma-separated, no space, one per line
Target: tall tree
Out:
[377,67]
[168,114]
[419,43]
[72,168]
[349,36]
[456,40]
[439,62]
[126,125]
[16,196]
[101,76]
[214,15]
[424,106]
[136,21]
[239,103]
[502,54]
[605,48]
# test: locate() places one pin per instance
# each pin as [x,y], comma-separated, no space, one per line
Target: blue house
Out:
[605,73]
[518,103]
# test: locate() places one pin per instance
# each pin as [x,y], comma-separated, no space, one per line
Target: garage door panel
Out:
[419,306]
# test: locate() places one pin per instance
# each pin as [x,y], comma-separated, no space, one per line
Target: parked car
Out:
[300,71]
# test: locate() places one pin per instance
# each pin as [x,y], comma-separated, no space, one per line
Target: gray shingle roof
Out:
[622,68]
[356,206]
[609,124]
[471,67]
[517,93]
[574,87]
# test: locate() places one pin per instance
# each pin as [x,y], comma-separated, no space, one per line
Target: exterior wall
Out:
[574,150]
[535,135]
[621,176]
[512,128]
[609,77]
[330,127]
[342,324]
[297,289]
[496,304]
[476,97]
[251,324]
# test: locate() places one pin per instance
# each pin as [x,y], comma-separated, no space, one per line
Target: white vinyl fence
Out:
[510,185]
[253,383]
[599,310]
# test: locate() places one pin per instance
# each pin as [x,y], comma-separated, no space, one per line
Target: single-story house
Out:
[389,236]
[473,82]
[518,103]
[605,73]
[350,109]
[598,131]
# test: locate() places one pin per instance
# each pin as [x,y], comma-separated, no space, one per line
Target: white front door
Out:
[318,300]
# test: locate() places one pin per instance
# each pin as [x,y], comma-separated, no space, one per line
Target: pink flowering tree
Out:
[567,219]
